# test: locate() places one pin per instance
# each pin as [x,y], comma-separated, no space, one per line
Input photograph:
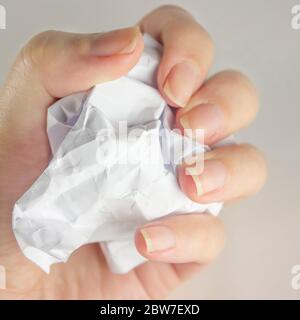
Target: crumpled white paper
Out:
[91,193]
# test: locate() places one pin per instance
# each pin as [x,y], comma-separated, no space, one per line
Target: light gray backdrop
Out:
[256,37]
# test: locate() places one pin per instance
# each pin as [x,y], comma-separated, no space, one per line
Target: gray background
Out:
[256,37]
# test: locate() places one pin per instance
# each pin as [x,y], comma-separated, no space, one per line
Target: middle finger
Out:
[226,103]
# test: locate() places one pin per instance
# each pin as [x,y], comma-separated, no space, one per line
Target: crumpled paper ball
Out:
[100,185]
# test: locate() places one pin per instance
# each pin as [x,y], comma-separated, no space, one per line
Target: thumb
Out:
[52,65]
[73,62]
[55,64]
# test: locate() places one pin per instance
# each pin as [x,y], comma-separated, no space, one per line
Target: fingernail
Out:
[181,83]
[207,117]
[123,41]
[212,178]
[158,238]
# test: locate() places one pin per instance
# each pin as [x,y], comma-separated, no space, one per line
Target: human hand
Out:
[55,64]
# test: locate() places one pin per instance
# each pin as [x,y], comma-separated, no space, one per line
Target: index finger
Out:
[187,52]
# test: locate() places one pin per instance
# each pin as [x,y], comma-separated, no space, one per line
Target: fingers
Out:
[226,103]
[187,52]
[230,172]
[182,239]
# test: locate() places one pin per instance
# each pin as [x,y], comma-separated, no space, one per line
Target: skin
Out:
[55,64]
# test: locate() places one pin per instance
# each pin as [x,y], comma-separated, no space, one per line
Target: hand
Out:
[55,64]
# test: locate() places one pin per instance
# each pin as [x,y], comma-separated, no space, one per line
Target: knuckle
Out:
[234,75]
[206,48]
[255,167]
[237,77]
[183,32]
[221,231]
[216,245]
[259,160]
[35,50]
[31,52]
[39,39]
[247,156]
[251,151]
[244,86]
[168,13]
[169,8]
[212,237]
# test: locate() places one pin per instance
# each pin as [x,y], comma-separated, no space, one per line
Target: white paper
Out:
[91,193]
